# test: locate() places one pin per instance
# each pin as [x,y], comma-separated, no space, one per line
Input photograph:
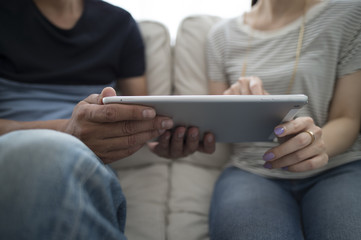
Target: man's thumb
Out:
[107,92]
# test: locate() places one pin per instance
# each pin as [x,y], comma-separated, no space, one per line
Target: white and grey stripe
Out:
[331,49]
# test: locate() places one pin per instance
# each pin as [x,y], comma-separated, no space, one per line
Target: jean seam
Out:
[67,197]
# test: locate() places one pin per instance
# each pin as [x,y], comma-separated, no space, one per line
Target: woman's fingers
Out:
[296,143]
[309,164]
[247,86]
[302,150]
[256,86]
[296,157]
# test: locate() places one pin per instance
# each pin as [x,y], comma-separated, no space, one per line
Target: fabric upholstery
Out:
[169,199]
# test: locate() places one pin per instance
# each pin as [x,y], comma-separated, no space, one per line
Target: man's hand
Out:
[114,131]
[182,142]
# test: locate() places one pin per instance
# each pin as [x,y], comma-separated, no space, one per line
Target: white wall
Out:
[171,12]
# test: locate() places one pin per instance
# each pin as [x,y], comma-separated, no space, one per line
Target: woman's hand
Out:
[302,147]
[247,86]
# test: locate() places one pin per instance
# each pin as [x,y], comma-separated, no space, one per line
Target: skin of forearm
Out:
[339,134]
[7,126]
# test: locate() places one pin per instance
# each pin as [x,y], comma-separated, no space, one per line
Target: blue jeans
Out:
[248,206]
[54,187]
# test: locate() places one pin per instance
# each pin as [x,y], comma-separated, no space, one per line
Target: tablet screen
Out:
[231,118]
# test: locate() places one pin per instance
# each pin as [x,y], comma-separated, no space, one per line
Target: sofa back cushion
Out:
[159,81]
[190,76]
[158,57]
[189,55]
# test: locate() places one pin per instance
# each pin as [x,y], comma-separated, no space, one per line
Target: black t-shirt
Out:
[103,46]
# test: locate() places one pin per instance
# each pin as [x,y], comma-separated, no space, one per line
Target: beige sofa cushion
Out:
[169,199]
[146,192]
[193,177]
[189,55]
[158,57]
[144,177]
[159,73]
[191,190]
[190,75]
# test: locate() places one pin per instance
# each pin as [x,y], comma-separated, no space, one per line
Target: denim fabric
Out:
[248,206]
[54,187]
[35,102]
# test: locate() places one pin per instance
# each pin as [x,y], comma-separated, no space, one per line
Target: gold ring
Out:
[313,138]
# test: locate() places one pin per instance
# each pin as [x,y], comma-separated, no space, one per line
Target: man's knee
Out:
[47,173]
[32,148]
[43,155]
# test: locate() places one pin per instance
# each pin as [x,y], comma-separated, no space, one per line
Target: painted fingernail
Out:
[167,124]
[285,168]
[279,131]
[210,139]
[268,156]
[267,165]
[148,113]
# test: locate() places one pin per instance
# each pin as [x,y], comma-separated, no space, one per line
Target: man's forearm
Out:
[7,126]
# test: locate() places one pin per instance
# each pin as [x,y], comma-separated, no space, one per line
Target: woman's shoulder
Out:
[224,26]
[338,15]
[344,2]
[345,6]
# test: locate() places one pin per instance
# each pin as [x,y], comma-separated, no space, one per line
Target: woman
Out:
[308,185]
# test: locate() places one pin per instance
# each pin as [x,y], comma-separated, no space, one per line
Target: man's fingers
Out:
[208,145]
[126,128]
[113,112]
[192,141]
[123,143]
[110,157]
[161,147]
[177,142]
[97,98]
[107,92]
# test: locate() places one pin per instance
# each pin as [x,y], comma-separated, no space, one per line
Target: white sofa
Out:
[169,199]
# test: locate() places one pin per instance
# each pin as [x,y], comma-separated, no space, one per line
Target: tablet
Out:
[231,118]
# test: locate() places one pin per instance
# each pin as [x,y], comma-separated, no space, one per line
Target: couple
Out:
[305,186]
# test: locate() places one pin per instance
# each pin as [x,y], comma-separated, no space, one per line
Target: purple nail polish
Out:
[285,168]
[268,156]
[279,131]
[267,165]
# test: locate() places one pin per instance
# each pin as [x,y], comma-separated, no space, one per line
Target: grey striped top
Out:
[331,49]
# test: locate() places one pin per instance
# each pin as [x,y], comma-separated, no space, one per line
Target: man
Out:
[53,130]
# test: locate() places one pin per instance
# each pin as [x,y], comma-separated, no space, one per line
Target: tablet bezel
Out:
[231,118]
